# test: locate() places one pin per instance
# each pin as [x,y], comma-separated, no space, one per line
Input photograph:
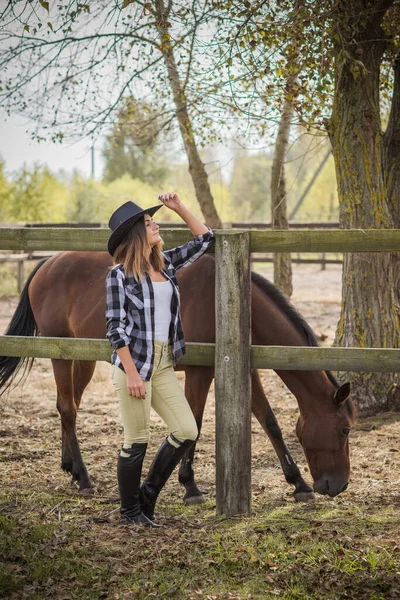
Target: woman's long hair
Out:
[136,255]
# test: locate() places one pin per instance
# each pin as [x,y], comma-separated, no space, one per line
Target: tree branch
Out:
[40,42]
[378,13]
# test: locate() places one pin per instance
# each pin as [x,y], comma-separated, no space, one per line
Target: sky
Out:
[17,149]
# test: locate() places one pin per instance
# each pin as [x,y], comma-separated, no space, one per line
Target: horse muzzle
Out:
[331,486]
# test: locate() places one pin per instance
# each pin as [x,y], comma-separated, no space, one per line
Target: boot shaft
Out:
[165,461]
[129,471]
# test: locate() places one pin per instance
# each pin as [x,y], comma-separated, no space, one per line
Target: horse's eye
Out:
[346,430]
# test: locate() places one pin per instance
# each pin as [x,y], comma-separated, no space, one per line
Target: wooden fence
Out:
[232,353]
[322,259]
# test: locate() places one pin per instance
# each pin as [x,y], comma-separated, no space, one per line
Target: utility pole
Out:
[92,156]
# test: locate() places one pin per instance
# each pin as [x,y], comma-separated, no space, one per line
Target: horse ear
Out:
[342,393]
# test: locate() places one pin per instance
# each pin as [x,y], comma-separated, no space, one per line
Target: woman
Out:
[145,331]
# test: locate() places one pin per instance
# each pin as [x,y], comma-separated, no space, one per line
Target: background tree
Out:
[55,67]
[38,196]
[250,181]
[348,57]
[164,16]
[279,219]
[250,186]
[133,145]
[6,196]
[370,293]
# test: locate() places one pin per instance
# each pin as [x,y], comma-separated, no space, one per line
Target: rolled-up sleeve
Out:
[182,256]
[115,310]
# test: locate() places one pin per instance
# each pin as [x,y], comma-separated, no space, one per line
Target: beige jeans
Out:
[164,394]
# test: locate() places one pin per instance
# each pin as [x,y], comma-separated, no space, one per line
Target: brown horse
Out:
[65,297]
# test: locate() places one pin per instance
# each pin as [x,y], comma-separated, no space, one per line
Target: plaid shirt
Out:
[130,307]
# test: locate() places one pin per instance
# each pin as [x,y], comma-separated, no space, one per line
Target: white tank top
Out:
[162,309]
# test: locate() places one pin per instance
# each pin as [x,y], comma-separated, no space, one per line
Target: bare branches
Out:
[82,66]
[232,59]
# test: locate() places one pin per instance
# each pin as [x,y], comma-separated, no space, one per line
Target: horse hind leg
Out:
[67,407]
[264,414]
[82,374]
[197,384]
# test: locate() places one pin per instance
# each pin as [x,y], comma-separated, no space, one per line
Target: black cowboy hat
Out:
[122,220]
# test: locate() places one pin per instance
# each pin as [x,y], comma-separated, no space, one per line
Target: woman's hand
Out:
[171,200]
[135,386]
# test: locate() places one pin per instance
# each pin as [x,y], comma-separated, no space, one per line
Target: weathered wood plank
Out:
[335,240]
[291,358]
[300,358]
[54,239]
[87,349]
[95,239]
[55,347]
[16,258]
[232,375]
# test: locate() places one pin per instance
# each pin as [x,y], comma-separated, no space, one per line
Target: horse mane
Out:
[293,315]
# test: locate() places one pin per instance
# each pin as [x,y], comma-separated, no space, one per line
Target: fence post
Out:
[232,373]
[20,275]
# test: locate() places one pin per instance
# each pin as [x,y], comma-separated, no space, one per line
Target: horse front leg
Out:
[197,384]
[71,460]
[264,414]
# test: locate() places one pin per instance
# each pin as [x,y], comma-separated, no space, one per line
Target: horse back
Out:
[197,291]
[67,295]
[274,320]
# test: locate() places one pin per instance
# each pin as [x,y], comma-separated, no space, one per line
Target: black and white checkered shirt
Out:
[130,307]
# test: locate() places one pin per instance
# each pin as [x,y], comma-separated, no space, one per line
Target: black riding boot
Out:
[165,461]
[129,470]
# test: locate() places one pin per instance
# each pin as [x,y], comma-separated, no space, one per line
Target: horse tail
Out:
[22,323]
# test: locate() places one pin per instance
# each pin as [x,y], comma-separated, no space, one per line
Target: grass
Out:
[54,547]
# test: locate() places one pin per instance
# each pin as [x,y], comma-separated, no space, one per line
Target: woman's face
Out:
[152,231]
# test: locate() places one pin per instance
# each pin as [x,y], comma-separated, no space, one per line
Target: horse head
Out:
[324,436]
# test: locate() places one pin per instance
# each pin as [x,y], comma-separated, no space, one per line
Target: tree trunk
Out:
[282,260]
[392,149]
[369,316]
[391,172]
[196,166]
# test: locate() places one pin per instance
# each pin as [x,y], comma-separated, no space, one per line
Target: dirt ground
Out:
[30,426]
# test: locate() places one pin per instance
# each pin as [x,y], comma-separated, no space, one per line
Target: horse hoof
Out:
[304,496]
[89,491]
[191,500]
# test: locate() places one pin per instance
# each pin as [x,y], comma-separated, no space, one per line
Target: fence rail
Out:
[181,225]
[288,358]
[94,240]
